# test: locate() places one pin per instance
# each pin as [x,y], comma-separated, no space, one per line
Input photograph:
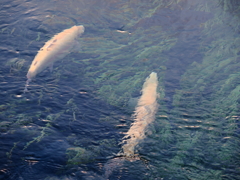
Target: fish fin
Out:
[51,67]
[77,47]
[25,90]
[27,84]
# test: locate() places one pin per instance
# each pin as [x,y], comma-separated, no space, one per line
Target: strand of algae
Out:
[38,138]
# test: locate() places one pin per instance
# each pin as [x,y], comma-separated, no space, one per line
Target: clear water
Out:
[70,123]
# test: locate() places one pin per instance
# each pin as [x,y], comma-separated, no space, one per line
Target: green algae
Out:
[212,86]
[205,107]
[78,155]
[43,133]
[16,65]
[83,155]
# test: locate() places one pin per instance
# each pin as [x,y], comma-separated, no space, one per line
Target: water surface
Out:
[70,123]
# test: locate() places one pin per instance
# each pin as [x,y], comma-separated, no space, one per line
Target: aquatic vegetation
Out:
[211,86]
[40,137]
[72,107]
[15,65]
[78,155]
[38,36]
[195,132]
[9,154]
[230,6]
[108,143]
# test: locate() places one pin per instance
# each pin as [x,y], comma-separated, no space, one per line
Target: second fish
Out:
[53,50]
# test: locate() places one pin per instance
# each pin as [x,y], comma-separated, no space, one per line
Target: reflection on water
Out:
[71,122]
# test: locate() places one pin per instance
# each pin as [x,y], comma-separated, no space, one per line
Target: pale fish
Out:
[144,115]
[55,49]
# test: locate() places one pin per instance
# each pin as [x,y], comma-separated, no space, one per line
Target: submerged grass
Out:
[197,138]
[212,85]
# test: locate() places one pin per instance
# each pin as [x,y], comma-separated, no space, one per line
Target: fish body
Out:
[53,50]
[144,115]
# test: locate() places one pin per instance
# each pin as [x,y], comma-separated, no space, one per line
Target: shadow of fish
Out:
[53,50]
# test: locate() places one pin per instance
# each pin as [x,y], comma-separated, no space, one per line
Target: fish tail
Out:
[27,84]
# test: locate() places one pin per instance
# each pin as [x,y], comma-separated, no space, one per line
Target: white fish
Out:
[53,50]
[144,115]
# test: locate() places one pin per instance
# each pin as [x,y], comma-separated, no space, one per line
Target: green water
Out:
[70,123]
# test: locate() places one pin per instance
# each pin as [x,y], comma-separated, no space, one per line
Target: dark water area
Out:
[71,122]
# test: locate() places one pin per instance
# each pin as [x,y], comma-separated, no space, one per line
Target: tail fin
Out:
[27,84]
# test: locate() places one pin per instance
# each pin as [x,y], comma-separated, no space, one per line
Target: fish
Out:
[55,49]
[144,115]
